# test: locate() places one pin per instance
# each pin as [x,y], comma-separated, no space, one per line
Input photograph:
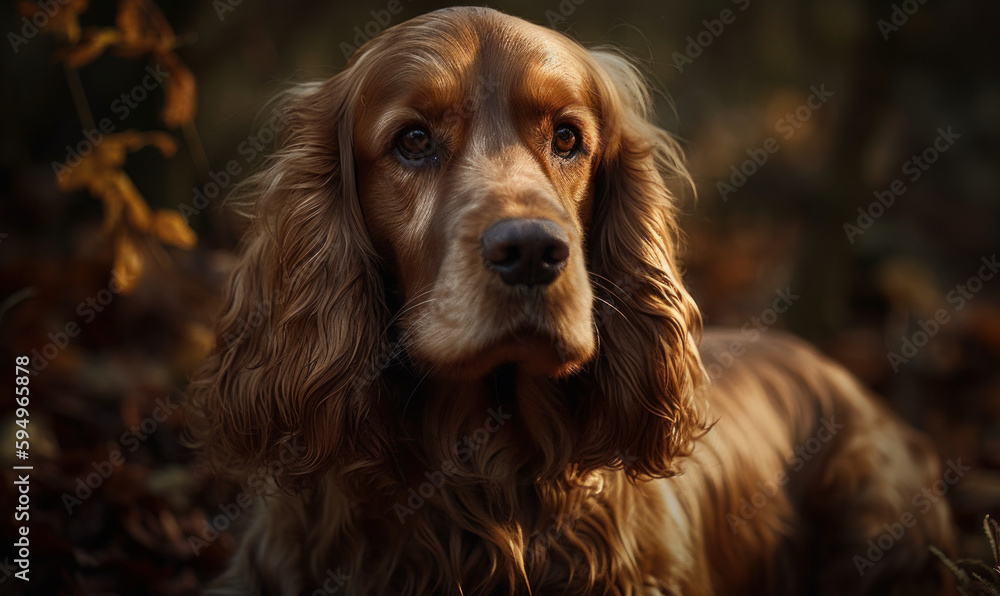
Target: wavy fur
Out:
[359,317]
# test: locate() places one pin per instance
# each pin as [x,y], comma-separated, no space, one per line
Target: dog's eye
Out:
[415,144]
[565,141]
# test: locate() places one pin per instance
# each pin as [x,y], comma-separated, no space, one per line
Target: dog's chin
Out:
[534,355]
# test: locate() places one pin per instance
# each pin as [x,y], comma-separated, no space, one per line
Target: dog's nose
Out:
[528,252]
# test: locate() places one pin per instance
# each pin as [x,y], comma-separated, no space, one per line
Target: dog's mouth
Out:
[534,353]
[466,330]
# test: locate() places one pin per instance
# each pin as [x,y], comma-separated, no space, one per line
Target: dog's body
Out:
[776,513]
[478,347]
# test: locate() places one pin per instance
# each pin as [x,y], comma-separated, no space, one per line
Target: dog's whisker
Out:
[410,305]
[611,306]
[599,277]
[416,386]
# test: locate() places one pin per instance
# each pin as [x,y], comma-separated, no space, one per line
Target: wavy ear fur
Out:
[304,311]
[647,369]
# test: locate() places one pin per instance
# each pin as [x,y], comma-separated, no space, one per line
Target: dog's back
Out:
[815,477]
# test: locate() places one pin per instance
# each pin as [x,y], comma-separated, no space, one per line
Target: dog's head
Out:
[471,191]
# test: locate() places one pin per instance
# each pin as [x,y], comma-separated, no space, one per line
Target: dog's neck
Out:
[498,442]
[483,468]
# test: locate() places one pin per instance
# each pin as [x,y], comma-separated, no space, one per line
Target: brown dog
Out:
[471,326]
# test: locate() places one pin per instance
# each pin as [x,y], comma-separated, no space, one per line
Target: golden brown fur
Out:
[362,326]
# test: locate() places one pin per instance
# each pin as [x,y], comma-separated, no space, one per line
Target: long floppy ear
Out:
[304,311]
[647,369]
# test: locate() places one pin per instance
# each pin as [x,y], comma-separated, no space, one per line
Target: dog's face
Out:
[476,152]
[489,192]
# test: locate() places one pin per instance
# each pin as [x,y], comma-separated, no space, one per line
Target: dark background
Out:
[782,229]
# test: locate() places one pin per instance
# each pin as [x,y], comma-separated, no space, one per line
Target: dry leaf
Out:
[135,210]
[64,24]
[108,156]
[100,172]
[181,93]
[94,43]
[170,228]
[144,28]
[125,210]
[128,263]
[141,29]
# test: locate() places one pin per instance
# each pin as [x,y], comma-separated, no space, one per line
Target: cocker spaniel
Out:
[458,348]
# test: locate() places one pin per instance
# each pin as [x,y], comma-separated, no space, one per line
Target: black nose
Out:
[529,252]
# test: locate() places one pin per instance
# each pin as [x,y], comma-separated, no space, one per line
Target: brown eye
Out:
[565,141]
[415,145]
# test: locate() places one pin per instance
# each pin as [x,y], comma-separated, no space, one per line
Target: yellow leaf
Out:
[140,29]
[144,28]
[100,172]
[136,211]
[170,227]
[113,212]
[181,93]
[94,43]
[128,263]
[64,23]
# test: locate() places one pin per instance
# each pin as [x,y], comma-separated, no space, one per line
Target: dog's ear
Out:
[291,386]
[647,369]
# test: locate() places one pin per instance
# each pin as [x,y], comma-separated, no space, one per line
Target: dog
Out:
[458,308]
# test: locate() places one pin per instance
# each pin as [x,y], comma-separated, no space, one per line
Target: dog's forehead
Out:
[456,57]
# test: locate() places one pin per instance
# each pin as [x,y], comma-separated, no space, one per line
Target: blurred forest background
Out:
[838,96]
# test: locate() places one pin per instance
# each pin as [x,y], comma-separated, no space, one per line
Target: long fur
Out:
[616,474]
